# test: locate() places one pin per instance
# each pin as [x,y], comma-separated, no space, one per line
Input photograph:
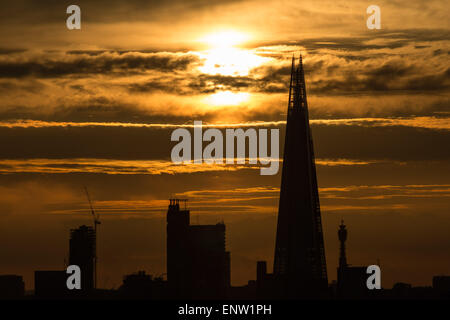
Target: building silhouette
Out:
[441,284]
[342,235]
[11,287]
[141,285]
[82,247]
[50,284]
[198,265]
[351,280]
[299,262]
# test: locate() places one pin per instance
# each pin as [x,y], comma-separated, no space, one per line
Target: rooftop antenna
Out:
[96,218]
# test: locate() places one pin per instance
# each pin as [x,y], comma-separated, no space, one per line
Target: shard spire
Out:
[299,260]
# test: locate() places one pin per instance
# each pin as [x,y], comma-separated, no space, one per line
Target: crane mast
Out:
[96,219]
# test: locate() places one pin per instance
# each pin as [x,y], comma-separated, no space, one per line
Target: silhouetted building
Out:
[198,265]
[267,285]
[402,290]
[441,285]
[342,234]
[246,292]
[299,250]
[50,284]
[11,287]
[82,253]
[143,286]
[351,281]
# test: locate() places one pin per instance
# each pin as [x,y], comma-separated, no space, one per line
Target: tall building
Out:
[177,248]
[342,234]
[299,261]
[351,280]
[82,247]
[198,265]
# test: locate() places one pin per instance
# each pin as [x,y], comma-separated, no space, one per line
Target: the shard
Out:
[299,261]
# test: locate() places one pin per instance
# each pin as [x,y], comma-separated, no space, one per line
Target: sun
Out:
[225,39]
[224,57]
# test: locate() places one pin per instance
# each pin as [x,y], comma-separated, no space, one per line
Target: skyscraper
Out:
[198,265]
[299,250]
[82,253]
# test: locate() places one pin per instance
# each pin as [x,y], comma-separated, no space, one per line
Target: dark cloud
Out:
[391,77]
[11,50]
[400,143]
[433,82]
[101,64]
[396,143]
[440,51]
[389,39]
[51,11]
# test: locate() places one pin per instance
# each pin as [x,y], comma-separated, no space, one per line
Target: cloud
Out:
[108,166]
[128,63]
[399,139]
[364,41]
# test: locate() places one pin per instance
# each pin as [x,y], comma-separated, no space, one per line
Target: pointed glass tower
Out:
[299,250]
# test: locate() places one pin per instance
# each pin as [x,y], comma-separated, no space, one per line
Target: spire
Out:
[299,250]
[342,234]
[297,88]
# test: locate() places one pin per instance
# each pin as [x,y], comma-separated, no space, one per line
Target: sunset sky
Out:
[95,107]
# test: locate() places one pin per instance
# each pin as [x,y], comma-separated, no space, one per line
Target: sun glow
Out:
[225,39]
[224,58]
[227,98]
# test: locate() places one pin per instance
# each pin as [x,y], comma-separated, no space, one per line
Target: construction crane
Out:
[96,218]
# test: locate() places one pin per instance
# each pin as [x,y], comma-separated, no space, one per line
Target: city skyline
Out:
[95,107]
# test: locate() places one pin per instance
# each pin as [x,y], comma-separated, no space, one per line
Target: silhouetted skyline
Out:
[96,107]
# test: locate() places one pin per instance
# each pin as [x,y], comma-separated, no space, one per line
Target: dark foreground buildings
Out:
[140,285]
[11,287]
[52,283]
[198,265]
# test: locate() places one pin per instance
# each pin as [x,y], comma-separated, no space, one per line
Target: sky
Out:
[96,107]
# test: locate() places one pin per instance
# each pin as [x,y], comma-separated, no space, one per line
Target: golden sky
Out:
[96,107]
